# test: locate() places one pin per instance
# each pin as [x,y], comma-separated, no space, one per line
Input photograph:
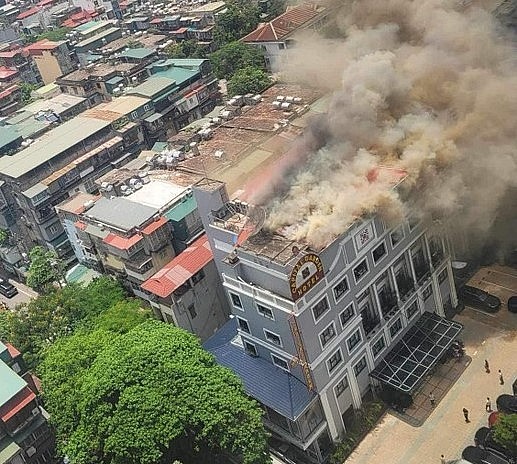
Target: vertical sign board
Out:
[364,236]
[306,273]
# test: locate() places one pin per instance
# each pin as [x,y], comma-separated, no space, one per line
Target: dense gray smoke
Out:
[428,87]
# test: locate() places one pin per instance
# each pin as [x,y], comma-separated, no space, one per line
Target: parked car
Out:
[512,304]
[484,438]
[477,455]
[507,404]
[480,299]
[7,289]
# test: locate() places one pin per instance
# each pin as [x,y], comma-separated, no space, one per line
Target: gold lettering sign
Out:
[307,272]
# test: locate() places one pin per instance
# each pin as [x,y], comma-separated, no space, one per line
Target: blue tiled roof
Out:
[263,381]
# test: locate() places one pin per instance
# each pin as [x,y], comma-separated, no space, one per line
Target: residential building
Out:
[64,160]
[18,61]
[52,59]
[84,48]
[317,330]
[182,90]
[10,98]
[276,36]
[97,82]
[25,435]
[208,11]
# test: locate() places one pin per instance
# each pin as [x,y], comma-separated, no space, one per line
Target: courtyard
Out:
[444,431]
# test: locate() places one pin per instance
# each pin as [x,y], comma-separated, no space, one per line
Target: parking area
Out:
[486,336]
[24,295]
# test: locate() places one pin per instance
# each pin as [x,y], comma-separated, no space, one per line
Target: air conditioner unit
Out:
[35,411]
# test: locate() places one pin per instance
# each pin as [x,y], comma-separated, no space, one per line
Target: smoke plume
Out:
[428,87]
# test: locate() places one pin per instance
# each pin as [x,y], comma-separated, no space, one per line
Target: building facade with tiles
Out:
[324,318]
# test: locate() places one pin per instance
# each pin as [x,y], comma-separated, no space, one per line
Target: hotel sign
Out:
[307,272]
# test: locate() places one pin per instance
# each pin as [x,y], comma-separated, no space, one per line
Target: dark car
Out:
[484,439]
[507,404]
[512,304]
[480,299]
[7,289]
[477,455]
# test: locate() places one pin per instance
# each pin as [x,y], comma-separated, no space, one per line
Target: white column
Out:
[437,295]
[377,301]
[394,279]
[428,252]
[412,268]
[354,388]
[454,295]
[328,414]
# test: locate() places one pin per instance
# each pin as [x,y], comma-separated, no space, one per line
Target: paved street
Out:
[24,294]
[492,337]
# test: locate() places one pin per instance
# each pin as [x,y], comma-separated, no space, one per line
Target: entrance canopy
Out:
[413,357]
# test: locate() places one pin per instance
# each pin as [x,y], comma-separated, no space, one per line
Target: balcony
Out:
[405,285]
[388,302]
[370,323]
[422,271]
[437,257]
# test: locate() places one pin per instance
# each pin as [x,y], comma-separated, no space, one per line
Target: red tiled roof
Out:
[284,24]
[5,73]
[156,21]
[12,351]
[10,53]
[29,12]
[45,2]
[180,269]
[41,45]
[80,225]
[8,91]
[122,243]
[181,30]
[79,18]
[16,404]
[155,225]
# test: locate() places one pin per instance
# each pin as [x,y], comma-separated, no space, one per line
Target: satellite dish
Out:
[256,218]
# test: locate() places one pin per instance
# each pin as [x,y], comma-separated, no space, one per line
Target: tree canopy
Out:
[240,18]
[248,80]
[234,56]
[33,326]
[151,395]
[186,49]
[45,269]
[505,432]
[55,35]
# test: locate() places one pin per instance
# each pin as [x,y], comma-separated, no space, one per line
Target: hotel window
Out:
[319,308]
[360,366]
[396,236]
[341,288]
[250,348]
[192,311]
[341,386]
[354,340]
[272,337]
[379,253]
[442,276]
[378,346]
[334,360]
[360,270]
[412,310]
[396,327]
[236,300]
[328,334]
[427,292]
[346,315]
[243,325]
[280,362]
[266,312]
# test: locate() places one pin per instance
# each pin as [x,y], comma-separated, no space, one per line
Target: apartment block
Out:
[63,161]
[317,330]
[25,435]
[52,59]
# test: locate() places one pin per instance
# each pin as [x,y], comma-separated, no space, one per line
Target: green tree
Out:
[248,80]
[27,90]
[185,49]
[505,432]
[34,326]
[275,8]
[234,56]
[45,269]
[150,396]
[55,35]
[4,236]
[240,18]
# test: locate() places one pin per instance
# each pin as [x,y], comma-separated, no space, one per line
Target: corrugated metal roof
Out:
[180,269]
[270,385]
[12,383]
[122,243]
[51,145]
[152,87]
[138,53]
[16,403]
[182,209]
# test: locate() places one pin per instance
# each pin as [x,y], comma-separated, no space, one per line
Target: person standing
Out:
[432,400]
[466,415]
[488,405]
[487,366]
[501,378]
[442,459]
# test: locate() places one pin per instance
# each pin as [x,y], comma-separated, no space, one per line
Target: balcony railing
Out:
[388,303]
[406,286]
[437,257]
[370,323]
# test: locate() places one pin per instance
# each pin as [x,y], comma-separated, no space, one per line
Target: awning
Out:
[412,358]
